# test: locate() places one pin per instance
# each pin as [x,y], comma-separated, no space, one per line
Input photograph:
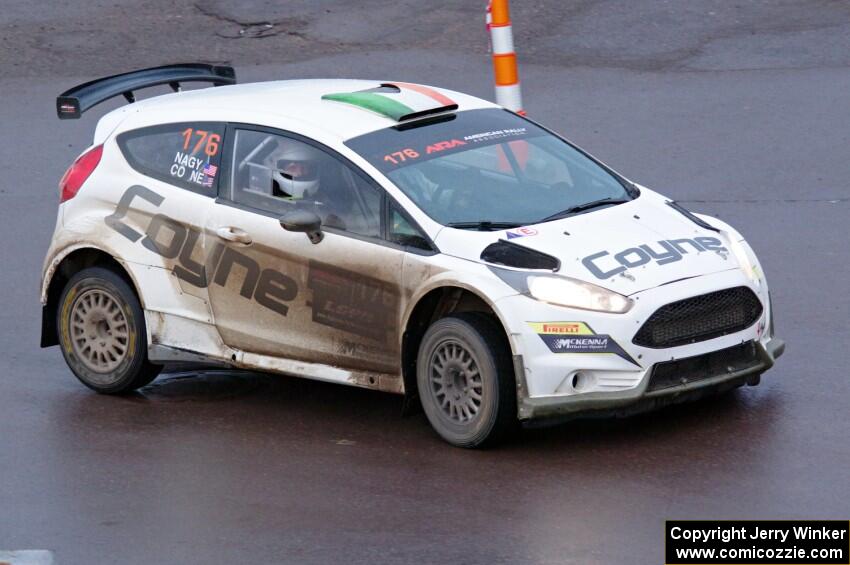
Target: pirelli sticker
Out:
[577,337]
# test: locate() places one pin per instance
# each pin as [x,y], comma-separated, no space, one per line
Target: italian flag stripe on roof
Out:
[372,101]
[429,92]
[396,100]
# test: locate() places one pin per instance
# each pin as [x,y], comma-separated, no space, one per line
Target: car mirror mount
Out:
[303,221]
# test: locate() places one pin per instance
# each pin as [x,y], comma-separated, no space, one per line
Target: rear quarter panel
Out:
[84,224]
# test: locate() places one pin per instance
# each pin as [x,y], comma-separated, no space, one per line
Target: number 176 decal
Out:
[209,141]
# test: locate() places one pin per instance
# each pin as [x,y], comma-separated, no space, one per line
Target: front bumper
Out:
[616,379]
[640,399]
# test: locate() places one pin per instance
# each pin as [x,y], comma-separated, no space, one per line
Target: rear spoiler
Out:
[72,103]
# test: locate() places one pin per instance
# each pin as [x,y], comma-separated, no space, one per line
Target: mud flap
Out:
[49,335]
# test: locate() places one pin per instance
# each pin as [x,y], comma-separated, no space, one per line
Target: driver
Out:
[295,171]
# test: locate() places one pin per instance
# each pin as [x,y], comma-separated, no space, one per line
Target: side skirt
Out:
[168,345]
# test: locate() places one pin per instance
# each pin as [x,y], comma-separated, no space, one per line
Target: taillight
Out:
[77,173]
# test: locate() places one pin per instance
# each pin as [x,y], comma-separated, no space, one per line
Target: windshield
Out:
[488,166]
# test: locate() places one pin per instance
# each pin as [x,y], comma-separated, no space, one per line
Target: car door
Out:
[276,292]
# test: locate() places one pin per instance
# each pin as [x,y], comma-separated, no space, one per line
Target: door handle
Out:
[236,235]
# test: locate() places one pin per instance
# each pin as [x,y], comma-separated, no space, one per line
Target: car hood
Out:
[628,248]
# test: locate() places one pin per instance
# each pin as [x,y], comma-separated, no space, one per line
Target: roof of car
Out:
[297,101]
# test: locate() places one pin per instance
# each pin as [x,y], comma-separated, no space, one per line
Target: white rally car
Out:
[391,236]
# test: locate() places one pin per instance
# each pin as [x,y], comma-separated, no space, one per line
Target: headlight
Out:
[748,264]
[564,291]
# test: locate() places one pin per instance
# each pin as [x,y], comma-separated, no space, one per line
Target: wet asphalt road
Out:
[739,110]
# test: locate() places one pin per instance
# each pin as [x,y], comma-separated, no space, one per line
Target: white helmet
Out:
[295,170]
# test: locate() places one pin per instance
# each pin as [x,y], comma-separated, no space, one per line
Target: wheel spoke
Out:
[99,330]
[456,382]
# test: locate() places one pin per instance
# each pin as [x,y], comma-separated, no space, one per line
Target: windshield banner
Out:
[397,147]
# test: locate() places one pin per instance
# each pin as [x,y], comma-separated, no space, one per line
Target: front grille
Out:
[700,318]
[690,369]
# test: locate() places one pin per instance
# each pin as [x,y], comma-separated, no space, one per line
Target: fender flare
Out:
[60,256]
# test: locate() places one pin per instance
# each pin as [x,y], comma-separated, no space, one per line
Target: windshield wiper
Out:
[583,207]
[484,225]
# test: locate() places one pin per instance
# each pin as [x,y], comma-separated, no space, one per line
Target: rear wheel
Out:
[102,332]
[466,381]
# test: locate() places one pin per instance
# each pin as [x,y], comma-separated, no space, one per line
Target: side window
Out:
[403,232]
[187,154]
[278,174]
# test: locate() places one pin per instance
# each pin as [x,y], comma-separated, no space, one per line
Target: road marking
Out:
[26,557]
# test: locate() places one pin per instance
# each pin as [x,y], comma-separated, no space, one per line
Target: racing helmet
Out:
[296,170]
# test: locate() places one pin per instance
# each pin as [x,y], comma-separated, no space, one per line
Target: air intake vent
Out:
[691,369]
[700,318]
[517,256]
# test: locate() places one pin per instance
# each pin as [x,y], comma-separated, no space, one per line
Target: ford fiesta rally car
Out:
[391,236]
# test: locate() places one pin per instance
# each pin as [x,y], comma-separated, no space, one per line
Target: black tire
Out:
[102,332]
[454,350]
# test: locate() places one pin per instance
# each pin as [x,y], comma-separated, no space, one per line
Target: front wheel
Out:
[465,380]
[102,332]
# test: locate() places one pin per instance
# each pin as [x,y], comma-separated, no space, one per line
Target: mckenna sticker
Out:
[521,232]
[577,337]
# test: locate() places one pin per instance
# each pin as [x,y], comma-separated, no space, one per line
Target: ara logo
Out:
[174,241]
[521,232]
[443,145]
[603,265]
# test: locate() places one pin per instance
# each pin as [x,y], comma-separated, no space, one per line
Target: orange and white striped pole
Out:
[504,57]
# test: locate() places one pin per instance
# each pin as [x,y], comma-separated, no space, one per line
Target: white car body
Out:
[212,323]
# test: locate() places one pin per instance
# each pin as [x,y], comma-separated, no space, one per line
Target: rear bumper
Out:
[640,399]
